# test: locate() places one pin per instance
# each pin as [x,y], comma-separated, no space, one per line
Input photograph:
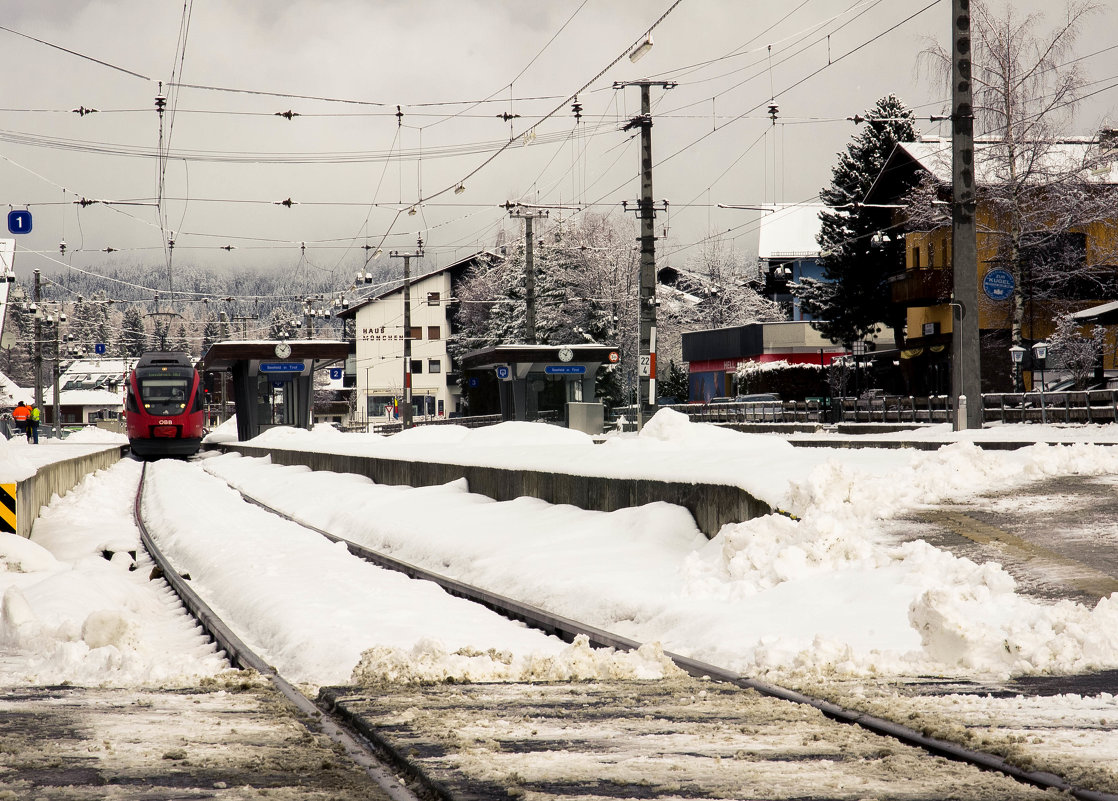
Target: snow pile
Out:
[967,617]
[827,590]
[68,614]
[428,662]
[979,628]
[92,434]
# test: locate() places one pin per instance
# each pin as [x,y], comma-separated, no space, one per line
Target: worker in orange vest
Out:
[22,415]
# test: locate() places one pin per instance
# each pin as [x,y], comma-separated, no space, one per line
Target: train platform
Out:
[31,475]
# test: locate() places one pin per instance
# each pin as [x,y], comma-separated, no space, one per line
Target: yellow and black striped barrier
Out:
[8,508]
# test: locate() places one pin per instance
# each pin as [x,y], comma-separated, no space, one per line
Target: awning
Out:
[1104,314]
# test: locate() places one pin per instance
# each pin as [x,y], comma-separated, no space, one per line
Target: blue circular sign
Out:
[998,284]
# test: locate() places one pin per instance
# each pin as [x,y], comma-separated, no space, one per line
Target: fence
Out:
[1094,406]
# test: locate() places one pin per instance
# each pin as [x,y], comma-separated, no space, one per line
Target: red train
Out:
[164,406]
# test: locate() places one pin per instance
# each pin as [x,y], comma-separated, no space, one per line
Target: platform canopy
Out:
[272,379]
[222,356]
[536,378]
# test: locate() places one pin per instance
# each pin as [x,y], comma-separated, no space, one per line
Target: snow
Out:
[821,592]
[19,459]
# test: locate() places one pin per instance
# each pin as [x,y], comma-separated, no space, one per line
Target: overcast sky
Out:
[354,172]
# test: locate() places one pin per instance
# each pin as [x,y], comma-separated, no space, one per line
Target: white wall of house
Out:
[380,351]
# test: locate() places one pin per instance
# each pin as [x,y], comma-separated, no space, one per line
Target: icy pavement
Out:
[229,740]
[678,738]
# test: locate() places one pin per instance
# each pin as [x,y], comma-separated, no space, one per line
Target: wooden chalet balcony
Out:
[924,287]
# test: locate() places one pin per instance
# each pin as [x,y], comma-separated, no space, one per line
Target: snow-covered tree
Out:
[1072,350]
[673,382]
[1037,188]
[210,333]
[586,274]
[133,333]
[283,323]
[714,290]
[859,248]
[182,342]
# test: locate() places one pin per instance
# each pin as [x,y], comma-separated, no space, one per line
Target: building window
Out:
[931,254]
[416,332]
[434,332]
[416,366]
[916,258]
[432,298]
[434,366]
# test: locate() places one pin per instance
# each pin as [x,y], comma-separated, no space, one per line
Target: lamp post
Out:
[1040,353]
[1017,355]
[858,348]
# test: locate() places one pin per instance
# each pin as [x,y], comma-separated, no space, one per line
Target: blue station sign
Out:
[998,284]
[19,221]
[565,369]
[282,367]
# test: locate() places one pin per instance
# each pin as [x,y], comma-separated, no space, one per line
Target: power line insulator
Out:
[81,111]
[288,115]
[773,110]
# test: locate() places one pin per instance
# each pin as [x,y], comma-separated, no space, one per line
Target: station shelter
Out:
[273,380]
[533,382]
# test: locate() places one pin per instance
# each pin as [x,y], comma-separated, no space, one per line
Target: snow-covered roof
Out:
[934,155]
[11,393]
[1095,313]
[389,289]
[84,397]
[790,230]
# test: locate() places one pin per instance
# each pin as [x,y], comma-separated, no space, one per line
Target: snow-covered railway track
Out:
[427,747]
[356,748]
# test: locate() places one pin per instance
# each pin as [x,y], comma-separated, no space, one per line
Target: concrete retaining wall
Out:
[712,505]
[58,478]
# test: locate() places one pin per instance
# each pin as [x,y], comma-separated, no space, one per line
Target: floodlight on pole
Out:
[640,50]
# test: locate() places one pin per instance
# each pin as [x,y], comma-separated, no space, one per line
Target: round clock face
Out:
[283,350]
[565,354]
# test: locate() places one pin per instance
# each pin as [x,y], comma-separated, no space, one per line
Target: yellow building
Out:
[925,286]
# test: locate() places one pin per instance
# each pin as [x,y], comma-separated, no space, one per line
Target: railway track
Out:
[454,742]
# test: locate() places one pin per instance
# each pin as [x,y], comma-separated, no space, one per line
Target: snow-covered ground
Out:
[828,596]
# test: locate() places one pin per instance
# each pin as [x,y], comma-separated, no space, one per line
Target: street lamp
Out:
[1040,353]
[1017,355]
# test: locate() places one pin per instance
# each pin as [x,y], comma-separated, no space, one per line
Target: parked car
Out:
[757,397]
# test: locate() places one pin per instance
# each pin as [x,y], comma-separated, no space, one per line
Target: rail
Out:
[315,718]
[568,629]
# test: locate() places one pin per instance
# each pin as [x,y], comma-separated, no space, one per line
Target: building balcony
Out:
[924,287]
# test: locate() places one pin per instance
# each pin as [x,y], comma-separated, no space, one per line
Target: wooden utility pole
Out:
[646,357]
[406,412]
[966,364]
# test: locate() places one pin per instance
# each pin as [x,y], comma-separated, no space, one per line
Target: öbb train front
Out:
[164,406]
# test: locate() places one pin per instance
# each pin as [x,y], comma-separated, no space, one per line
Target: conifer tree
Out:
[133,335]
[858,254]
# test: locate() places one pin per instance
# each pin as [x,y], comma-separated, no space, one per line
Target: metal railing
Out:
[1093,406]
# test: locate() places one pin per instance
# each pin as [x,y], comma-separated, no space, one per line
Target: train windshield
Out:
[164,394]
